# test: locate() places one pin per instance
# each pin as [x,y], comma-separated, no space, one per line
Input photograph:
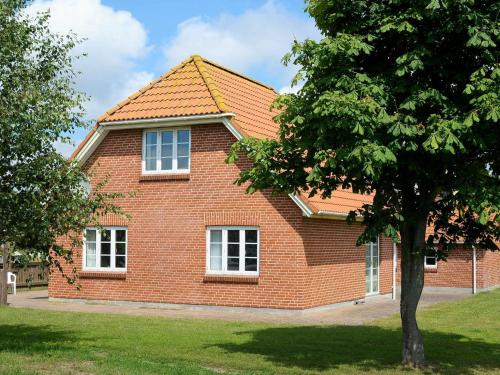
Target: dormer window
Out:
[166,151]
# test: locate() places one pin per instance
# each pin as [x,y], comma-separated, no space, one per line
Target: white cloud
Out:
[289,89]
[254,39]
[65,149]
[115,42]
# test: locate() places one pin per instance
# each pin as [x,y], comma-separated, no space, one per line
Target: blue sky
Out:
[130,42]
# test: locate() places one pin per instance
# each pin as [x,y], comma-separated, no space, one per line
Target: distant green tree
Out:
[42,195]
[400,99]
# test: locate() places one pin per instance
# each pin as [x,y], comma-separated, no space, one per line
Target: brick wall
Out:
[303,262]
[335,266]
[488,269]
[457,272]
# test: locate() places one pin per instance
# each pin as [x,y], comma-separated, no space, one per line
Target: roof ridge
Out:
[237,73]
[211,85]
[127,100]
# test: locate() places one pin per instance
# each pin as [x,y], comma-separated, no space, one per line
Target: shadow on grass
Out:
[363,348]
[30,339]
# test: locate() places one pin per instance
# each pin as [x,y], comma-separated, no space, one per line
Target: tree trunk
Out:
[412,283]
[3,275]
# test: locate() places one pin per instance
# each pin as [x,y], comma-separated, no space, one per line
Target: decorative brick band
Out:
[229,279]
[102,275]
[232,218]
[165,177]
[113,220]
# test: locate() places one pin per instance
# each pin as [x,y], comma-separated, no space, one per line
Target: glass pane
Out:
[430,261]
[233,264]
[183,149]
[120,248]
[121,235]
[233,236]
[233,250]
[90,247]
[120,262]
[216,263]
[167,151]
[106,235]
[251,236]
[182,163]
[367,249]
[182,136]
[375,285]
[167,137]
[251,250]
[90,235]
[166,164]
[250,264]
[105,248]
[375,272]
[91,254]
[216,250]
[90,260]
[150,151]
[105,261]
[151,164]
[151,138]
[368,286]
[216,236]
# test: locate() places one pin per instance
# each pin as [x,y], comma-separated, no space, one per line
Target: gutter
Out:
[394,269]
[474,270]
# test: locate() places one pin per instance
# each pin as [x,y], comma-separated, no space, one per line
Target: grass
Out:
[460,338]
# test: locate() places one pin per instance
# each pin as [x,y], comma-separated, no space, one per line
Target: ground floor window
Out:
[233,250]
[430,261]
[105,249]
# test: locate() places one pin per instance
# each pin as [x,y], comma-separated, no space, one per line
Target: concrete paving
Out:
[346,314]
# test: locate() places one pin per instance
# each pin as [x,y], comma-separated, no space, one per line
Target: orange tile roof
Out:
[198,86]
[341,202]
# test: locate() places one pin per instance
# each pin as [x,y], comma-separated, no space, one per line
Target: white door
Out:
[372,267]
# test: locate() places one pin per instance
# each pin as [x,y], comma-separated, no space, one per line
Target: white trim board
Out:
[104,127]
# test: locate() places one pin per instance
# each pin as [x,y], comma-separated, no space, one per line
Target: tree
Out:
[400,100]
[42,195]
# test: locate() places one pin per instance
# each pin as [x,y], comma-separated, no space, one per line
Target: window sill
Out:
[430,269]
[231,279]
[165,177]
[103,275]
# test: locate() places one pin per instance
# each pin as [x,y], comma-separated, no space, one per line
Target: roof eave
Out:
[98,133]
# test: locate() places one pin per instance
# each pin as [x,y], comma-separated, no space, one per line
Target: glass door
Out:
[372,268]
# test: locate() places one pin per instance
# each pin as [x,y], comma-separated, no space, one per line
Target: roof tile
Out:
[198,86]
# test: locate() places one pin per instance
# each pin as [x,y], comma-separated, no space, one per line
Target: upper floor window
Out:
[166,151]
[430,261]
[105,249]
[233,250]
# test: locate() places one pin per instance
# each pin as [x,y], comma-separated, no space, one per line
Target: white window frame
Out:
[224,270]
[112,267]
[174,169]
[378,266]
[432,266]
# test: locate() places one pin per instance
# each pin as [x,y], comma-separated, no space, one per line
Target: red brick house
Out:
[196,238]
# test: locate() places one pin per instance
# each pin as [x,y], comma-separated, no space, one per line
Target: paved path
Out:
[348,314]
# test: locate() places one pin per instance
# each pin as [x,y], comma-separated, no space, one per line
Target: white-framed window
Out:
[166,151]
[233,250]
[105,249]
[430,261]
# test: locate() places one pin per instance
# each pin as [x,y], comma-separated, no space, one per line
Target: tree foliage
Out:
[398,95]
[42,195]
[400,99]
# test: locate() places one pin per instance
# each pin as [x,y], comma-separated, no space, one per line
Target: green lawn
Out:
[460,338]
